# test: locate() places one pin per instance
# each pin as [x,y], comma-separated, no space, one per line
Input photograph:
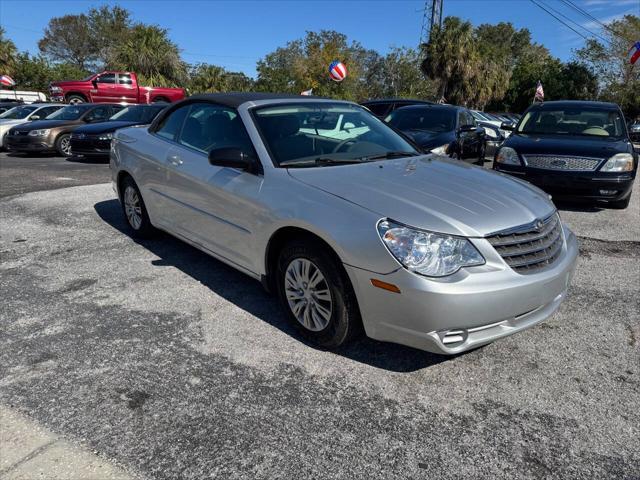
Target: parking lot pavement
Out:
[22,174]
[173,365]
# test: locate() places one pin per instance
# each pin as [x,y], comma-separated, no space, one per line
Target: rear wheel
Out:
[63,145]
[316,294]
[134,209]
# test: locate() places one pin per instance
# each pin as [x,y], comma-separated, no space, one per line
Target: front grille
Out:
[559,162]
[78,136]
[19,132]
[529,248]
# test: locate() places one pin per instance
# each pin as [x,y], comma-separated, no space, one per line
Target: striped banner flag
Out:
[634,53]
[7,81]
[539,92]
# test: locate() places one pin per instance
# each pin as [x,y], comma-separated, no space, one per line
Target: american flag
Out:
[539,92]
[7,81]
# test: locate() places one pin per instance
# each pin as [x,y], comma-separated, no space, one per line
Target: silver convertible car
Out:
[346,221]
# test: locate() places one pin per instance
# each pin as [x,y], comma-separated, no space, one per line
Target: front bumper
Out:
[90,147]
[474,307]
[27,143]
[567,184]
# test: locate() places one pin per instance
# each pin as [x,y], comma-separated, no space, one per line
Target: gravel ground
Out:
[172,365]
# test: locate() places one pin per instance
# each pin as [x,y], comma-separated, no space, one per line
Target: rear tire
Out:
[134,210]
[316,294]
[63,145]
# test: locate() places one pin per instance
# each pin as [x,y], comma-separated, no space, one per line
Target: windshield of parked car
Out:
[71,112]
[138,113]
[432,119]
[325,133]
[593,122]
[17,113]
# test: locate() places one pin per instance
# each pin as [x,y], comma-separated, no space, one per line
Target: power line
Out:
[575,23]
[586,14]
[559,19]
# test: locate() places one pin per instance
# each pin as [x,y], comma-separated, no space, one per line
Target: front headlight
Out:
[441,150]
[428,253]
[621,162]
[491,133]
[508,156]
[106,136]
[39,133]
[55,89]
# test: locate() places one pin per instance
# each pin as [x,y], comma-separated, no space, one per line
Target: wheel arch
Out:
[279,239]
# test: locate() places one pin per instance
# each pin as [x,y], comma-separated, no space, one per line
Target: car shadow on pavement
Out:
[249,295]
[578,206]
[79,159]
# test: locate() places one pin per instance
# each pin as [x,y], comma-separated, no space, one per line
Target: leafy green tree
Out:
[402,76]
[69,39]
[619,80]
[150,53]
[205,78]
[36,72]
[109,26]
[8,54]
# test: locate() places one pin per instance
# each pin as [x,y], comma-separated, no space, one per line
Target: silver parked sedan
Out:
[346,221]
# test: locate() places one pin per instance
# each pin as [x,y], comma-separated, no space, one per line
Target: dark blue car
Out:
[573,149]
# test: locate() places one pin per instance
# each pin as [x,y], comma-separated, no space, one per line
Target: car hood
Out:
[42,124]
[105,127]
[6,121]
[566,145]
[429,140]
[434,193]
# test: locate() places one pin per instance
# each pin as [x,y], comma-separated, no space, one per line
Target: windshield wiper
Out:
[389,155]
[319,161]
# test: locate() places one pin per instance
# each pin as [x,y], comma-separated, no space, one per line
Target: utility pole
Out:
[432,16]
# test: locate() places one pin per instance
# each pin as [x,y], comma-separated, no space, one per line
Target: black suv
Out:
[574,149]
[384,106]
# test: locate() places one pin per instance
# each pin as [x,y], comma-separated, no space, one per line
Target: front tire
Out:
[75,99]
[134,210]
[63,145]
[316,294]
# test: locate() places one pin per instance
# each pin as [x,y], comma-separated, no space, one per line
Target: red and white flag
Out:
[7,81]
[634,53]
[539,92]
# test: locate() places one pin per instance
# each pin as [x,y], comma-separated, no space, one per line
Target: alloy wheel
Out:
[308,294]
[132,207]
[65,145]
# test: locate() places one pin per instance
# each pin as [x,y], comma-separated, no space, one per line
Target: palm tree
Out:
[8,53]
[148,51]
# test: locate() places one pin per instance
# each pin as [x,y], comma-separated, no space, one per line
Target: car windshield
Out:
[72,112]
[593,122]
[432,119]
[17,113]
[326,133]
[138,113]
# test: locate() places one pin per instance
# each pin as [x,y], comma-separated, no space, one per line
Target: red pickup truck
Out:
[111,87]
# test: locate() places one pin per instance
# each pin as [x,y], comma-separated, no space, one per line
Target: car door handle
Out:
[174,160]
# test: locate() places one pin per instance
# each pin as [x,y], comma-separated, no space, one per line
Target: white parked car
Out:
[24,95]
[25,113]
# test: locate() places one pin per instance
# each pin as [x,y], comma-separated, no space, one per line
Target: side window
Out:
[107,78]
[115,109]
[172,123]
[97,114]
[210,126]
[469,118]
[124,79]
[46,111]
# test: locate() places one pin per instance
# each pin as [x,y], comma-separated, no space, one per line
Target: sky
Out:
[235,34]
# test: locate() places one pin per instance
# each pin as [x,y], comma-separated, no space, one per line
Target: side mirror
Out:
[507,126]
[467,128]
[33,118]
[231,157]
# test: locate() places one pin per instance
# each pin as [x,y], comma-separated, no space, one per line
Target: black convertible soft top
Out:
[234,100]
